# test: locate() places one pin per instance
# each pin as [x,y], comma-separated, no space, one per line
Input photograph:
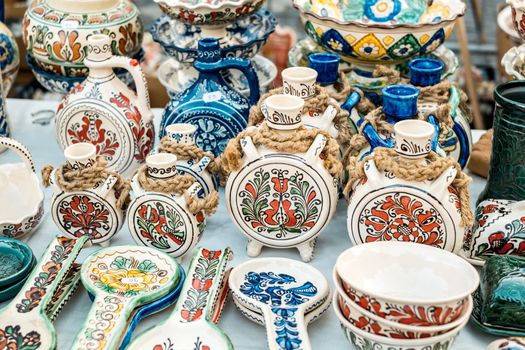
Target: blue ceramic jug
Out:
[217,110]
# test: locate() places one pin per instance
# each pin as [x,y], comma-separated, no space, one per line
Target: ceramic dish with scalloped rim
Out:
[514,62]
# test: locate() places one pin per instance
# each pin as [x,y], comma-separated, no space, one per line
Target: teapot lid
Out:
[283,112]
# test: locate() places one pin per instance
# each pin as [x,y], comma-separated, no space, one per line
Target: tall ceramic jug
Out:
[105,112]
[218,111]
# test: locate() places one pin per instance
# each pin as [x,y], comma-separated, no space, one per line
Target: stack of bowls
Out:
[16,263]
[402,295]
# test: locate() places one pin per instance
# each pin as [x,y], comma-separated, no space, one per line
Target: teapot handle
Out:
[21,150]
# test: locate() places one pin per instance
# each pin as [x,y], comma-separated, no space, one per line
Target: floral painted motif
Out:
[67,48]
[511,241]
[211,136]
[162,226]
[91,130]
[168,345]
[7,51]
[20,229]
[12,339]
[83,215]
[280,204]
[402,218]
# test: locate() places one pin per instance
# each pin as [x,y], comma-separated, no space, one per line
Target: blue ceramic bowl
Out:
[16,261]
[425,71]
[326,65]
[400,101]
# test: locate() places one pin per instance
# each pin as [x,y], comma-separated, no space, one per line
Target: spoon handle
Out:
[286,328]
[105,323]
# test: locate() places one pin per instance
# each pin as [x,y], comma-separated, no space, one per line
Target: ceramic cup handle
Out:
[249,149]
[20,149]
[286,329]
[316,148]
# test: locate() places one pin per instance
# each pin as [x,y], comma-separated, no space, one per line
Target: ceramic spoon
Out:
[190,325]
[122,279]
[63,294]
[24,323]
[281,290]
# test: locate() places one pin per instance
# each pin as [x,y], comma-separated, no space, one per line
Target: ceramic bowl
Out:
[244,38]
[216,12]
[518,16]
[364,41]
[16,261]
[506,24]
[363,340]
[401,280]
[176,77]
[514,62]
[10,291]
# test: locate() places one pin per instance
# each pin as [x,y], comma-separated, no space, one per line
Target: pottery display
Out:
[121,278]
[56,32]
[282,291]
[191,324]
[22,204]
[161,219]
[515,343]
[9,58]
[281,199]
[91,212]
[105,112]
[24,322]
[218,111]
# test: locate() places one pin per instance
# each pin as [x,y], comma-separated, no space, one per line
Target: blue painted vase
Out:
[217,110]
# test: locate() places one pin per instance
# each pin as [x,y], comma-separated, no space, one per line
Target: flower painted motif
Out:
[7,51]
[511,241]
[382,10]
[91,130]
[12,339]
[369,49]
[162,226]
[211,136]
[168,345]
[81,215]
[67,48]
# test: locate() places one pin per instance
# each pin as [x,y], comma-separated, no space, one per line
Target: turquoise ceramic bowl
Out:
[16,261]
[8,292]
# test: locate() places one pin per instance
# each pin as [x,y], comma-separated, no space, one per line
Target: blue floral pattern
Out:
[7,51]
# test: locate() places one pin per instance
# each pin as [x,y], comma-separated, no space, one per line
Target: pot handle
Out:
[21,150]
[249,149]
[200,166]
[285,326]
[315,148]
[103,190]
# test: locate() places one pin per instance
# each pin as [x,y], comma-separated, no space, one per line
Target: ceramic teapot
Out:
[56,32]
[281,199]
[218,111]
[86,210]
[164,220]
[105,112]
[383,206]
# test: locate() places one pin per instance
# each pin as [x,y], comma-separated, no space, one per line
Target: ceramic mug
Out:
[299,81]
[283,112]
[413,138]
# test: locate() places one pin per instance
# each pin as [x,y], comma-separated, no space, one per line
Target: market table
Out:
[325,333]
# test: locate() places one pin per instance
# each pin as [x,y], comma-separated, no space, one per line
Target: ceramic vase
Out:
[10,58]
[105,112]
[218,111]
[163,220]
[56,32]
[383,207]
[92,212]
[281,199]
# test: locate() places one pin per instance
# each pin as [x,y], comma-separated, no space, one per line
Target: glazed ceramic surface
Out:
[121,278]
[92,212]
[22,201]
[105,112]
[56,32]
[163,220]
[282,290]
[16,261]
[363,340]
[506,24]
[386,41]
[24,323]
[190,326]
[218,111]
[518,14]
[515,343]
[9,58]
[243,39]
[433,291]
[514,62]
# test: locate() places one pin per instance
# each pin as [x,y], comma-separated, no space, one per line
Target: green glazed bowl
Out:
[16,261]
[8,292]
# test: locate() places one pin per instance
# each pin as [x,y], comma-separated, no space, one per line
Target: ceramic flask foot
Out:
[306,250]
[253,248]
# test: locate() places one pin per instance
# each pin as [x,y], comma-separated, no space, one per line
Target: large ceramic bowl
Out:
[409,283]
[244,38]
[211,12]
[372,42]
[364,340]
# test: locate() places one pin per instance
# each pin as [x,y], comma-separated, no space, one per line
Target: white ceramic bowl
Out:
[365,341]
[401,279]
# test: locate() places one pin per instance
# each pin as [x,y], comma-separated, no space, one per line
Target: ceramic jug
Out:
[56,32]
[105,112]
[184,135]
[281,199]
[383,207]
[163,220]
[218,111]
[92,212]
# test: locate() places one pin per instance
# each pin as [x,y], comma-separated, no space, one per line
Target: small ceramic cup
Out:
[400,101]
[161,165]
[182,133]
[425,71]
[413,138]
[283,112]
[80,155]
[299,81]
[327,67]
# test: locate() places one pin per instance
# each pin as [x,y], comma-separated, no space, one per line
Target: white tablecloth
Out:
[325,333]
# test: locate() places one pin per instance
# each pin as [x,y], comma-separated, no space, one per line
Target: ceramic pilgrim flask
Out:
[425,206]
[277,196]
[218,111]
[164,213]
[88,200]
[105,112]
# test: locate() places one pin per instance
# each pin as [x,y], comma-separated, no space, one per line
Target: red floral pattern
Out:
[81,216]
[91,130]
[162,226]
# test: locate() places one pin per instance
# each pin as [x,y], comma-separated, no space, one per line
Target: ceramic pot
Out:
[218,111]
[93,212]
[105,112]
[10,58]
[160,220]
[282,200]
[56,32]
[22,204]
[383,207]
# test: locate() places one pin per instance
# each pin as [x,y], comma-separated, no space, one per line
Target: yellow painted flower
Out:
[335,45]
[125,281]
